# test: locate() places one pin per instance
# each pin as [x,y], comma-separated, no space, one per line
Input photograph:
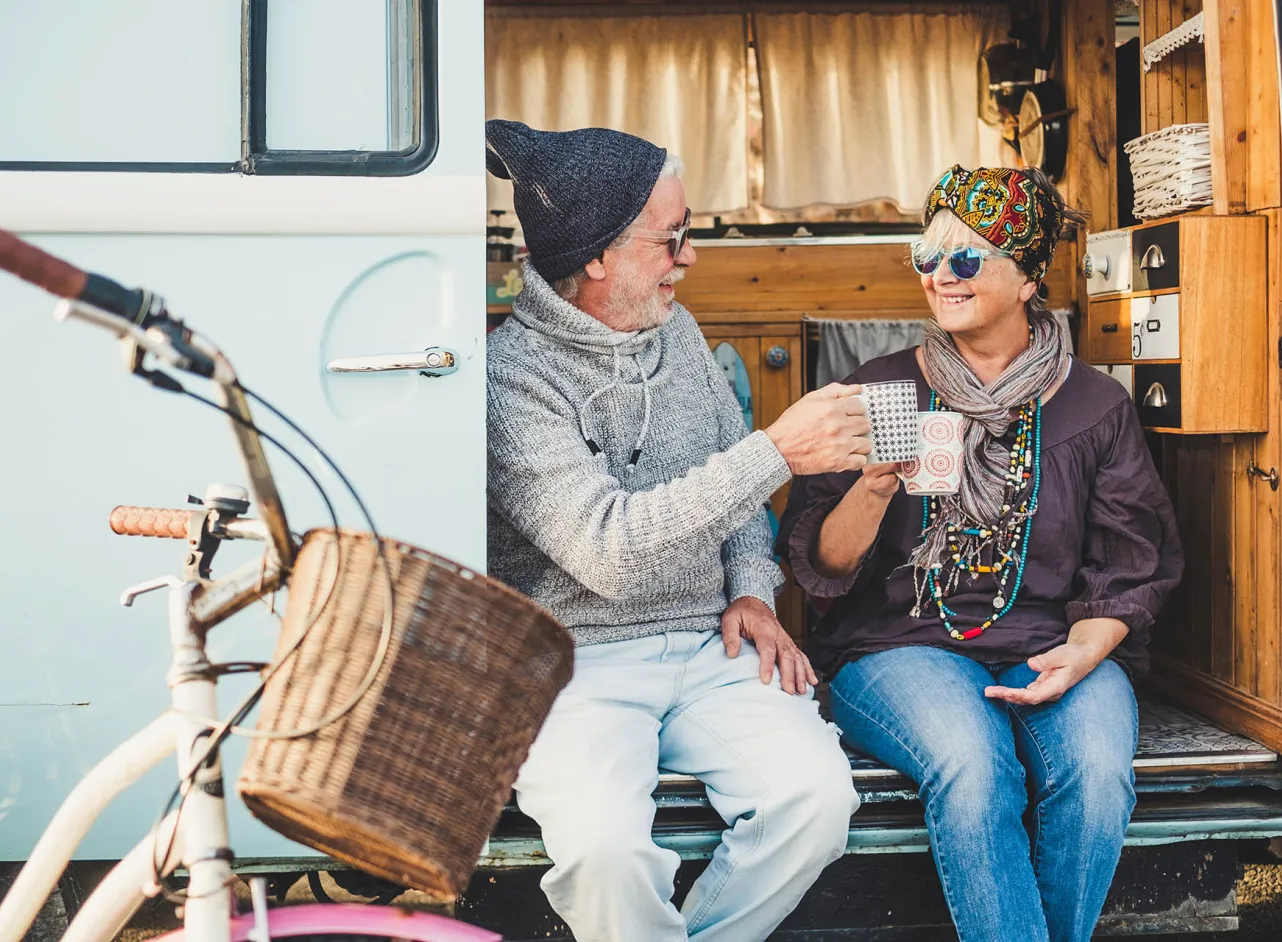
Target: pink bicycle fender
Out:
[287,921]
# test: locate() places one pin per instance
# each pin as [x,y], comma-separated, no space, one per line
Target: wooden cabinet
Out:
[1193,324]
[771,358]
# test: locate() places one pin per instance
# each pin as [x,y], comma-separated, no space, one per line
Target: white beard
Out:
[654,311]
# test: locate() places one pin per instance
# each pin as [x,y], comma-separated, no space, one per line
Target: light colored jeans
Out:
[774,772]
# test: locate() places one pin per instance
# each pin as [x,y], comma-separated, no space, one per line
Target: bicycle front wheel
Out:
[353,923]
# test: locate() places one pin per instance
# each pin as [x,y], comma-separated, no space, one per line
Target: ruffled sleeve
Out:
[809,503]
[1131,557]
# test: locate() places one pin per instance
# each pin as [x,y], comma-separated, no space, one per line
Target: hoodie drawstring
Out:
[583,407]
[614,383]
[645,420]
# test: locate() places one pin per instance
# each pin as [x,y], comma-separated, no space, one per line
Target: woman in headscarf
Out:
[983,643]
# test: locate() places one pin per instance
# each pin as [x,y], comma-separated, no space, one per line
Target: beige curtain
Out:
[869,105]
[677,81]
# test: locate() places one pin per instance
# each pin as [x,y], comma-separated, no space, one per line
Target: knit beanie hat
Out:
[575,191]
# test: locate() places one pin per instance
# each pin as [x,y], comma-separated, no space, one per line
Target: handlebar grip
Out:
[151,521]
[40,268]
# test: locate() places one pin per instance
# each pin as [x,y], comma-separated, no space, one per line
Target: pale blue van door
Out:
[303,180]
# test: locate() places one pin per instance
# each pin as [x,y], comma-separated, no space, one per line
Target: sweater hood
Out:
[540,308]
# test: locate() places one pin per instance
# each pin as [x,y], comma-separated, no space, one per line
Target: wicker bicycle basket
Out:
[409,783]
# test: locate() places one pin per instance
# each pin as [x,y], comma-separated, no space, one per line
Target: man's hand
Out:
[752,619]
[824,431]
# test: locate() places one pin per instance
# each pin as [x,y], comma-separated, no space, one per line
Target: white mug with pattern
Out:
[892,412]
[936,468]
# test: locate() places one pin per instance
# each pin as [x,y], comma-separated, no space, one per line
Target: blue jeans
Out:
[1026,807]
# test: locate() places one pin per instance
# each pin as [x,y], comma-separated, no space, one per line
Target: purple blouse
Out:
[1103,542]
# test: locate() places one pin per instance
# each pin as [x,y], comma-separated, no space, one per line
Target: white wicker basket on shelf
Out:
[1171,169]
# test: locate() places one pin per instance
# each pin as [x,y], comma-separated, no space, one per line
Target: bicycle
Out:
[193,836]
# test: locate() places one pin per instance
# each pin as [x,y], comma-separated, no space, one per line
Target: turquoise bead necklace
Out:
[1009,539]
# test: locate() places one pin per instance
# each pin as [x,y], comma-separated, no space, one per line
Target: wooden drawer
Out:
[1108,331]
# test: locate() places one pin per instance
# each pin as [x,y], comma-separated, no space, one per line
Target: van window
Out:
[246,86]
[73,90]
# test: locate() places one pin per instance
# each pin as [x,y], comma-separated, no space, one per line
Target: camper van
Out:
[305,180]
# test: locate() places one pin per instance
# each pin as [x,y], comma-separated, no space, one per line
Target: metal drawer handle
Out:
[1156,397]
[1153,257]
[1108,328]
[434,361]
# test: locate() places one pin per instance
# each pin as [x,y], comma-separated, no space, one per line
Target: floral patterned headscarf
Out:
[1007,208]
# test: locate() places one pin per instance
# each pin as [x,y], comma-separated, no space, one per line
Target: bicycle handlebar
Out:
[172,523]
[61,278]
[40,268]
[161,522]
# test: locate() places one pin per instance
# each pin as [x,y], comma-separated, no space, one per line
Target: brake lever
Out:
[178,337]
[165,338]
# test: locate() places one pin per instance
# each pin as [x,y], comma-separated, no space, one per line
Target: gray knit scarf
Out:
[989,412]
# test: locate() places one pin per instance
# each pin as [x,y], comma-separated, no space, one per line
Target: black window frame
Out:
[259,160]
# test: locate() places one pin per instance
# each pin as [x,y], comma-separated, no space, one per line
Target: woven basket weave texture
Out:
[409,784]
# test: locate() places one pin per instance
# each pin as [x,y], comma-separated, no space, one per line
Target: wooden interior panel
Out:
[1266,451]
[1174,90]
[1216,465]
[1089,63]
[1264,127]
[1089,181]
[1194,71]
[1151,120]
[1243,627]
[735,284]
[1164,70]
[1224,323]
[813,278]
[1242,93]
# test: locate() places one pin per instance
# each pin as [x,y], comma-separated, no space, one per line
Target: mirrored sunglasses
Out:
[965,263]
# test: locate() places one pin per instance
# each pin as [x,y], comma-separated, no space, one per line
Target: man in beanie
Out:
[626,496]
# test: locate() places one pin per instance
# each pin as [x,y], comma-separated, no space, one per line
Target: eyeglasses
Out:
[675,238]
[965,263]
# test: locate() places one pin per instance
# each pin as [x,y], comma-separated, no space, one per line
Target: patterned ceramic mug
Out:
[936,469]
[892,412]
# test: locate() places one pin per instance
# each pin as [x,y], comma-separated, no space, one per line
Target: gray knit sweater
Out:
[613,551]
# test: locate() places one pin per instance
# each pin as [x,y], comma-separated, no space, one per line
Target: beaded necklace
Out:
[1008,539]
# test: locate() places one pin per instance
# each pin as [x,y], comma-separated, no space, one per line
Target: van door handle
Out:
[434,361]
